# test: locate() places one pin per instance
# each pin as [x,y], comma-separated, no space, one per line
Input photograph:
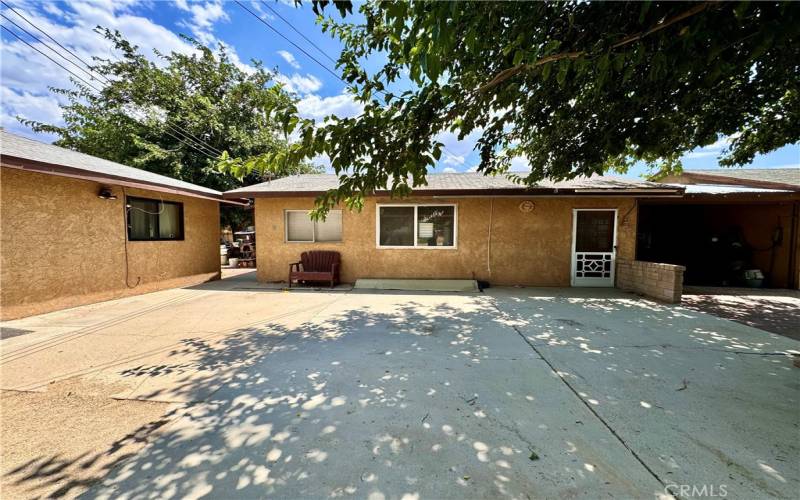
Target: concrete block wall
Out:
[663,282]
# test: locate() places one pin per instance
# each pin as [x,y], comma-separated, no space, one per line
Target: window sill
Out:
[313,242]
[379,247]
[159,239]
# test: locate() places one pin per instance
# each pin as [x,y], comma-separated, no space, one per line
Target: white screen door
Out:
[594,242]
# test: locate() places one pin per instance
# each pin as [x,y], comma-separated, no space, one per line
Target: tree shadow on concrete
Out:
[445,398]
[60,476]
[772,312]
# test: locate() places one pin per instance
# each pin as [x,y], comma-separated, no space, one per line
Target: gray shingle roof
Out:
[759,176]
[309,184]
[14,147]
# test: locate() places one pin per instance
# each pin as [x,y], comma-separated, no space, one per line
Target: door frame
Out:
[593,282]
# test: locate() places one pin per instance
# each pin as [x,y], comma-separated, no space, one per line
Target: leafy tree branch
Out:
[574,88]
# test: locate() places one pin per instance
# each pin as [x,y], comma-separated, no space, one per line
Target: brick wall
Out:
[659,281]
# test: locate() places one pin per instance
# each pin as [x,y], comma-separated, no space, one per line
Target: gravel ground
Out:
[59,442]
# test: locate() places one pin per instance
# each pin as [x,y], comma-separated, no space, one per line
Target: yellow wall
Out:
[62,246]
[526,248]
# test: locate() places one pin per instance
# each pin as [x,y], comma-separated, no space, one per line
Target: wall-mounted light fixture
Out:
[106,193]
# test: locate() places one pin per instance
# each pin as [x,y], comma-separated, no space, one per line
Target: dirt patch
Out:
[59,442]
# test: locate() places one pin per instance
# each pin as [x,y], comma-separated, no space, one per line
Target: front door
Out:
[594,240]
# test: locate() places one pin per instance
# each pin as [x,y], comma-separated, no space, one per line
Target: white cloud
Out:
[203,17]
[457,152]
[714,149]
[26,74]
[289,58]
[43,108]
[317,108]
[449,170]
[450,159]
[299,83]
[519,164]
[701,154]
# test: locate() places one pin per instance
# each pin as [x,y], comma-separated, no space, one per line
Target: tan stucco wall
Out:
[62,246]
[526,248]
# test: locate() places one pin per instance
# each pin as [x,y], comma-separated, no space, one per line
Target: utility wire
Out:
[194,142]
[301,49]
[54,51]
[297,31]
[92,86]
[323,66]
[51,59]
[96,76]
[73,54]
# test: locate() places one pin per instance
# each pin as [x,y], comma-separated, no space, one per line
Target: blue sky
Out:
[26,75]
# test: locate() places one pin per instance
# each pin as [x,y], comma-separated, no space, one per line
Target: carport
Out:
[718,232]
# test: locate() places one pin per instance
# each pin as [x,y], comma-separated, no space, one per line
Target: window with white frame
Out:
[300,227]
[417,226]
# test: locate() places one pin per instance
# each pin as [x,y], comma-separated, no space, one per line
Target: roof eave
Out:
[646,192]
[738,181]
[88,175]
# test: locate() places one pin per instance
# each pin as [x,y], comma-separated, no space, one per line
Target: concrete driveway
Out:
[519,393]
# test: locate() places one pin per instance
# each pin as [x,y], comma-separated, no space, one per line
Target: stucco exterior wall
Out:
[62,246]
[531,248]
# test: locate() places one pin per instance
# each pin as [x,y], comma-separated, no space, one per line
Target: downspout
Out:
[489,239]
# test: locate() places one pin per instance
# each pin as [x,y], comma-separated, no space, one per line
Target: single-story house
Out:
[77,229]
[727,220]
[459,226]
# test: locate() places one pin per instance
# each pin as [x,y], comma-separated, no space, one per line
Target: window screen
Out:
[154,219]
[300,227]
[594,231]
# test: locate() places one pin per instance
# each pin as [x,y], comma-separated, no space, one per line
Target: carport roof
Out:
[27,154]
[775,178]
[467,183]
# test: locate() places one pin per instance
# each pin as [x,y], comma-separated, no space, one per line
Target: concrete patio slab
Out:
[417,395]
[514,393]
[155,352]
[701,399]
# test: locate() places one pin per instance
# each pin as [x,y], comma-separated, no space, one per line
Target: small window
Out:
[154,219]
[301,229]
[417,226]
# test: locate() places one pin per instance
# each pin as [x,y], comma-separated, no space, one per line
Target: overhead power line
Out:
[50,58]
[323,66]
[301,49]
[194,142]
[73,54]
[298,31]
[90,85]
[54,51]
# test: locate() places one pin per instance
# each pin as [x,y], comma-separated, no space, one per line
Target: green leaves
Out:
[195,117]
[578,88]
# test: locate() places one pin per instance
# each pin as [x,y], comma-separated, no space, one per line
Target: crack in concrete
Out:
[585,403]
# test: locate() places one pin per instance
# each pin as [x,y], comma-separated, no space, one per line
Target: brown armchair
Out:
[318,265]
